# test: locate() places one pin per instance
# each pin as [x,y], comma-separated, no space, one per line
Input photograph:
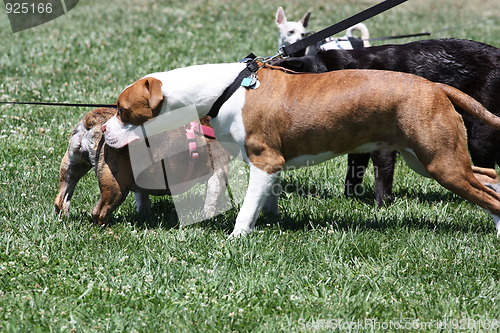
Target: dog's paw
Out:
[238,233]
[62,209]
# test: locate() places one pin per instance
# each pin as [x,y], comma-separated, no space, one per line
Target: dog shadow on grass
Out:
[367,194]
[288,222]
[163,214]
[380,219]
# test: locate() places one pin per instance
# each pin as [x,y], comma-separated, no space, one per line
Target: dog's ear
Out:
[305,19]
[280,17]
[153,86]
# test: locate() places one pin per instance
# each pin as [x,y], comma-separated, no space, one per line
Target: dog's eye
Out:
[291,32]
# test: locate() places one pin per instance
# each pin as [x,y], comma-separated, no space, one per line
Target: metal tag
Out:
[250,82]
[247,82]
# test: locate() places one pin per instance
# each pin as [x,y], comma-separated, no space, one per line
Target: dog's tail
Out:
[470,105]
[363,30]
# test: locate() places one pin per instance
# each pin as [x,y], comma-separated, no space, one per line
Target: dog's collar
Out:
[250,69]
[193,129]
[198,128]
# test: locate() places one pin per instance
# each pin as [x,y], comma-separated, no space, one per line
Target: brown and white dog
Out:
[293,120]
[87,150]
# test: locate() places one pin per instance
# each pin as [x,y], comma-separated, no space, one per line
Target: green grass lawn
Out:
[328,261]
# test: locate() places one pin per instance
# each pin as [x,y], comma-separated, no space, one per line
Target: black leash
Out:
[338,27]
[357,43]
[63,104]
[251,68]
[386,37]
[399,36]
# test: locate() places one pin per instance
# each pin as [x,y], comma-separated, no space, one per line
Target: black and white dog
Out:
[470,66]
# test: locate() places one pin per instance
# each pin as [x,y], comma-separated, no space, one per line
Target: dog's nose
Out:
[103,128]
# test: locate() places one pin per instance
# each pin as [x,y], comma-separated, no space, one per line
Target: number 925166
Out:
[28,8]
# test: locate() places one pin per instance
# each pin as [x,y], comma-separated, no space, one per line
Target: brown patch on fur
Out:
[144,97]
[98,117]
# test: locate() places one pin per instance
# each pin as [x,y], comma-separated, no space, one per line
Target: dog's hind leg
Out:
[443,155]
[111,197]
[384,163]
[113,192]
[482,195]
[452,169]
[72,169]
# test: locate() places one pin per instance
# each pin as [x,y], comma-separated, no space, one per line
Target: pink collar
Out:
[208,132]
[192,130]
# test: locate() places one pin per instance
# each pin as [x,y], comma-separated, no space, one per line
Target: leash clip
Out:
[281,52]
[276,56]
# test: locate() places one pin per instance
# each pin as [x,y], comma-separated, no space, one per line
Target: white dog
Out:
[290,32]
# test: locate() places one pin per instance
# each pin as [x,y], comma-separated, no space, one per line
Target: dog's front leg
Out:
[259,187]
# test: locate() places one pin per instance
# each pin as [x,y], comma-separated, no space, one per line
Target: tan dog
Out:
[113,168]
[294,120]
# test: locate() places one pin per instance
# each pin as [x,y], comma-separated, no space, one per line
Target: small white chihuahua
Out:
[292,31]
